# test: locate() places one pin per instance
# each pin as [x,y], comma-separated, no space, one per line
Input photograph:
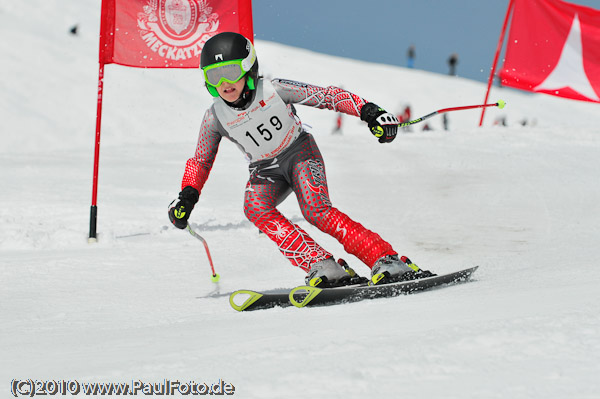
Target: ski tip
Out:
[501,104]
[247,297]
[467,273]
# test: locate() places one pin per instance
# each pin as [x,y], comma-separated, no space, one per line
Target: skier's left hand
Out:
[382,124]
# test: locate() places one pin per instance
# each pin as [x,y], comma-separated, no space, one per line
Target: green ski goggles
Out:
[228,71]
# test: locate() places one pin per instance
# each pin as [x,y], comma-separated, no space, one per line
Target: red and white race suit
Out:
[283,158]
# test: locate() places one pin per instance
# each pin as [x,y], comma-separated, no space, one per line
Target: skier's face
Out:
[231,91]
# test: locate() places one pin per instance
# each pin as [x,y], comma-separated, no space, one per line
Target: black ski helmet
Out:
[230,46]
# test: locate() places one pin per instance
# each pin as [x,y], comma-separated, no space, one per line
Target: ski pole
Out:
[500,104]
[215,277]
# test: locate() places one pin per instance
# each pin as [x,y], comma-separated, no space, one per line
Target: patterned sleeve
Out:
[331,97]
[198,167]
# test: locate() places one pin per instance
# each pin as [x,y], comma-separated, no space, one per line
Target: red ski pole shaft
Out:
[500,104]
[215,276]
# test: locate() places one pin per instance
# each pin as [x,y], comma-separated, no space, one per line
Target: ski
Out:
[312,296]
[305,296]
[253,300]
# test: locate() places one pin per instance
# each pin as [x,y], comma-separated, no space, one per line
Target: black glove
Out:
[382,124]
[180,213]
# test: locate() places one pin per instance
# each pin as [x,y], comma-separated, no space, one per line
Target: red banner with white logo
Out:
[554,48]
[167,33]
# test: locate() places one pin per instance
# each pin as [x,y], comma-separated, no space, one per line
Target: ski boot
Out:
[329,273]
[391,269]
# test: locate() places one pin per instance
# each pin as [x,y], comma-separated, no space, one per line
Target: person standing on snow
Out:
[452,61]
[259,117]
[338,124]
[410,55]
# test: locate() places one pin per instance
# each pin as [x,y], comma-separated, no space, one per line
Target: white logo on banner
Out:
[177,29]
[569,71]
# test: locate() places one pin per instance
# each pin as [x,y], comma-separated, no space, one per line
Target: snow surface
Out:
[520,201]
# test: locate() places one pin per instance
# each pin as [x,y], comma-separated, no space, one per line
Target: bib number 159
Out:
[264,132]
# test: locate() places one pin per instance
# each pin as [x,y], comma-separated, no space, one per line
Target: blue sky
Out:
[381,31]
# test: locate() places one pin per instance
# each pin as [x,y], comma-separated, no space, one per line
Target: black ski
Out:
[304,296]
[311,296]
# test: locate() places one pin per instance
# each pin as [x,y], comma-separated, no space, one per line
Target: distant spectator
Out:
[338,124]
[500,121]
[406,114]
[445,121]
[405,117]
[427,127]
[411,56]
[452,61]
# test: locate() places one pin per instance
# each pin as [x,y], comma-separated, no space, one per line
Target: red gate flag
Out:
[167,33]
[159,34]
[554,48]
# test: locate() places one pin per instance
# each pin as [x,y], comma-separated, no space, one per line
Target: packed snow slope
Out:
[520,201]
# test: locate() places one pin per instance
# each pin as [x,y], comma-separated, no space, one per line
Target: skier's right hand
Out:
[180,213]
[382,124]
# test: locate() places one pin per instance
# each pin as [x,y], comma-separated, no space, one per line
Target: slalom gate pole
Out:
[215,277]
[94,206]
[500,104]
[495,62]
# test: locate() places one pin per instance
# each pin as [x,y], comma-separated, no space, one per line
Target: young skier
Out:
[259,117]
